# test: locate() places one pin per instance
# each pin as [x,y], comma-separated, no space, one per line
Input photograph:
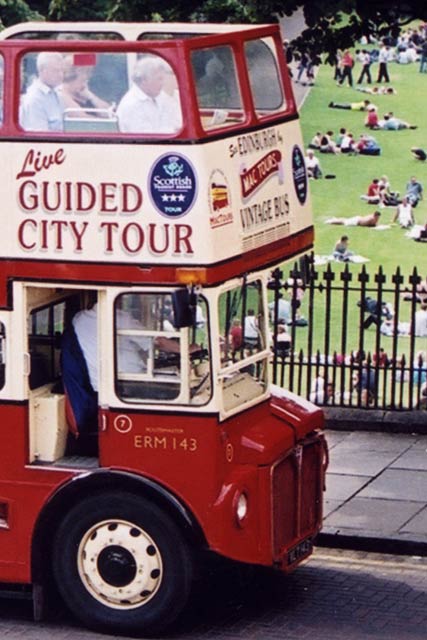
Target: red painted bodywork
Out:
[273,452]
[205,464]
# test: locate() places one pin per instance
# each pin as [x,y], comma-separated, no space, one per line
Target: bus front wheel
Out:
[121,564]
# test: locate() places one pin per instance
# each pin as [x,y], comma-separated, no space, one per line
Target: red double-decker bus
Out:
[139,425]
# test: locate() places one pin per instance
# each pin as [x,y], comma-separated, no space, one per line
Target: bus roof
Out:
[123,30]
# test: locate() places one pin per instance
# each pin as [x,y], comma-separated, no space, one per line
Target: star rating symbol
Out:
[173,197]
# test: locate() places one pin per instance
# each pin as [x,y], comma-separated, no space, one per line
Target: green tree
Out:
[331,24]
[13,11]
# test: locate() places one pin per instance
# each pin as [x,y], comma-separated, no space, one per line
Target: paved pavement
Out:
[335,595]
[376,493]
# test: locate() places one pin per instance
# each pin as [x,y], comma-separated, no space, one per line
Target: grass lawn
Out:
[341,197]
[388,248]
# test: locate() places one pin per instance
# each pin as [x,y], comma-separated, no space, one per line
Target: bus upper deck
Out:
[201,165]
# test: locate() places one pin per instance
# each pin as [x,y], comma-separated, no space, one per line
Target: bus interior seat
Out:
[90,121]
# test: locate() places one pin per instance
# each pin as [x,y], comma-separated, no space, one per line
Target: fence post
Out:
[275,284]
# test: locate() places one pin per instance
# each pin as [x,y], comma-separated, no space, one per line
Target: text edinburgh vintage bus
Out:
[153,177]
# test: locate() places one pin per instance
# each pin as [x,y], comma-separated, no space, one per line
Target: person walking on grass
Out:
[384,58]
[347,64]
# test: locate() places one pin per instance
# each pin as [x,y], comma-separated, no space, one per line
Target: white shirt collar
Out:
[44,88]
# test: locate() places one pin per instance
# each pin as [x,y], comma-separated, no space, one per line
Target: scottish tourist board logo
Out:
[299,173]
[172,185]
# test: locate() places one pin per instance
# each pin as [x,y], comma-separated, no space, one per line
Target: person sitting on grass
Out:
[371,120]
[389,198]
[312,165]
[327,145]
[340,135]
[414,191]
[368,146]
[419,154]
[316,141]
[372,195]
[370,220]
[404,215]
[348,144]
[341,251]
[283,341]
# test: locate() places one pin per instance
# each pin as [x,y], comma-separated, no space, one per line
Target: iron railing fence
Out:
[353,339]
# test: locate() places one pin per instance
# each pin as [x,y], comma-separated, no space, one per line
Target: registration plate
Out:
[301,550]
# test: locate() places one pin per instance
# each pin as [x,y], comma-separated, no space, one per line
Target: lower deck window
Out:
[154,361]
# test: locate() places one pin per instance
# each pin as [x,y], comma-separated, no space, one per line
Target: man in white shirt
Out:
[250,330]
[404,215]
[41,108]
[146,107]
[131,349]
[384,57]
[312,165]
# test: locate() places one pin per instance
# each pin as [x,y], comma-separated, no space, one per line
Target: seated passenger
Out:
[212,89]
[147,107]
[75,93]
[41,108]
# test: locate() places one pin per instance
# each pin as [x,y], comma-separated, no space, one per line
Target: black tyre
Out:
[121,564]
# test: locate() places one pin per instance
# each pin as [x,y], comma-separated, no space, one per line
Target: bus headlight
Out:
[241,507]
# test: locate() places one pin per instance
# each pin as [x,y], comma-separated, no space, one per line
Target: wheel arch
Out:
[102,481]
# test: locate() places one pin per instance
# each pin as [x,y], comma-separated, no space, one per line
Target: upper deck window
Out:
[217,87]
[264,76]
[66,35]
[166,35]
[102,92]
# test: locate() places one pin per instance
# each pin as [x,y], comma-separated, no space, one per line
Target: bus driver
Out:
[131,349]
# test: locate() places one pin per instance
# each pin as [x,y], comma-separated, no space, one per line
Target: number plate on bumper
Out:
[300,551]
